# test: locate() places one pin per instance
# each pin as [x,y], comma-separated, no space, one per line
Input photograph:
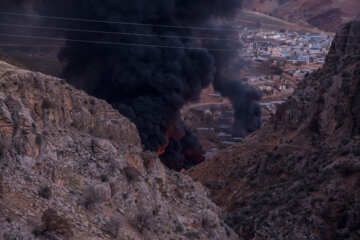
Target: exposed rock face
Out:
[73,168]
[298,177]
[327,103]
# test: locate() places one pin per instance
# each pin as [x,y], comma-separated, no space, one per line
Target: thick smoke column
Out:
[149,85]
[244,100]
[243,97]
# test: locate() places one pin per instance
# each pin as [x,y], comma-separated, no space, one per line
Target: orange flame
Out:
[173,131]
[162,149]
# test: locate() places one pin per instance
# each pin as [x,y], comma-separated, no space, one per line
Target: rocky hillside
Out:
[73,168]
[327,15]
[298,177]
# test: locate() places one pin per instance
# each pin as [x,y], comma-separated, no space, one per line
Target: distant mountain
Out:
[327,15]
[298,177]
[254,19]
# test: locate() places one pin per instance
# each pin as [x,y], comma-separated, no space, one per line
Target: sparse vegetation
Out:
[148,157]
[104,178]
[132,174]
[38,140]
[92,196]
[112,226]
[179,228]
[1,186]
[1,152]
[344,152]
[53,223]
[356,151]
[192,235]
[348,168]
[228,232]
[141,221]
[155,211]
[45,192]
[207,224]
[46,104]
[36,232]
[345,141]
[346,74]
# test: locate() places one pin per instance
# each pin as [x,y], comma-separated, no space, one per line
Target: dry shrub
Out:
[141,221]
[348,168]
[46,104]
[92,196]
[356,151]
[1,186]
[148,158]
[53,223]
[112,226]
[45,192]
[206,223]
[132,174]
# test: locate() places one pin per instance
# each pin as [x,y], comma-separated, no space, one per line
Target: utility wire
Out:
[126,33]
[115,33]
[140,45]
[116,22]
[117,43]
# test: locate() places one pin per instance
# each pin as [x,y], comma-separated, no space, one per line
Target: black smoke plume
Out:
[247,116]
[149,83]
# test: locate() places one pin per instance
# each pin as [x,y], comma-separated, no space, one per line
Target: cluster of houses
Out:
[299,74]
[220,117]
[295,48]
[263,78]
[296,54]
[269,84]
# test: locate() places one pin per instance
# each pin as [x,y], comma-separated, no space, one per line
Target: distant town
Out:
[274,62]
[290,56]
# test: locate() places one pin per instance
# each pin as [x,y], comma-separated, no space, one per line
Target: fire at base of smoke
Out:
[149,85]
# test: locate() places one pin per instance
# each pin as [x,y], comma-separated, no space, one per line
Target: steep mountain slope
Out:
[328,15]
[298,177]
[73,168]
[256,19]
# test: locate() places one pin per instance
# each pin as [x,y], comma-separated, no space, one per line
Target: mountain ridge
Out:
[72,167]
[298,177]
[324,14]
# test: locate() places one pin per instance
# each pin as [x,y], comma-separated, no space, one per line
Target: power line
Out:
[126,23]
[116,22]
[117,43]
[120,22]
[116,33]
[131,44]
[126,33]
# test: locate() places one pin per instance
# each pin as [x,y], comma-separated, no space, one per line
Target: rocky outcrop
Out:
[298,177]
[73,168]
[327,102]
